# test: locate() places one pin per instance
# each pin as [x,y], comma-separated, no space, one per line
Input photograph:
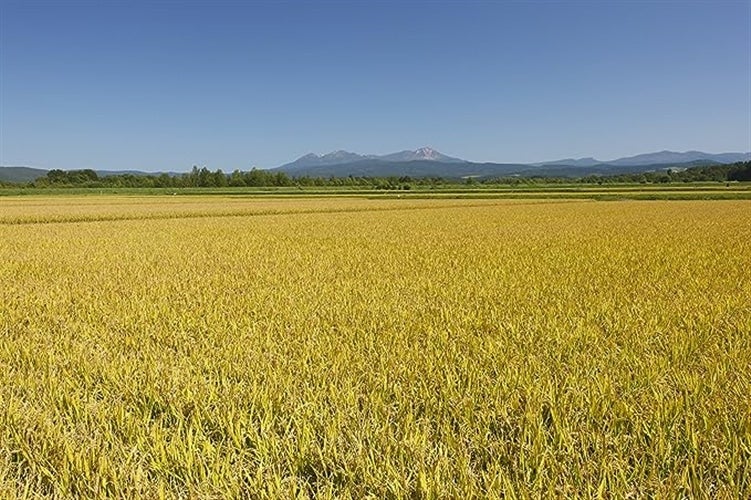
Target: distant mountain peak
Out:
[422,154]
[428,153]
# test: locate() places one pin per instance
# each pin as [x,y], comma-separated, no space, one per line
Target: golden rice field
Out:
[208,347]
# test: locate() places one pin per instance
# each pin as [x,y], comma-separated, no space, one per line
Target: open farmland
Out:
[347,347]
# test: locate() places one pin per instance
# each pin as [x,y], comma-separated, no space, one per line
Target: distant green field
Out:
[683,191]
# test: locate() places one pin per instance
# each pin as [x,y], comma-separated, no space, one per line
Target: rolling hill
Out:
[21,174]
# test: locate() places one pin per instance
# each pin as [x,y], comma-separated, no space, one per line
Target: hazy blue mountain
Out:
[21,174]
[580,162]
[658,158]
[664,157]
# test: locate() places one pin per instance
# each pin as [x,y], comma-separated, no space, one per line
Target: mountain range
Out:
[427,162]
[344,157]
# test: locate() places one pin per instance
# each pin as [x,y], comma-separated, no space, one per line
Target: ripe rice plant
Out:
[353,348]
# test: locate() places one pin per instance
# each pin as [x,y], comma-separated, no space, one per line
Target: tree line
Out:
[740,171]
[203,177]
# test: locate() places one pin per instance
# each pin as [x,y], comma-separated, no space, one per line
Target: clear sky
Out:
[169,84]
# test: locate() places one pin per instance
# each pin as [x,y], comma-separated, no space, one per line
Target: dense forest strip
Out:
[204,178]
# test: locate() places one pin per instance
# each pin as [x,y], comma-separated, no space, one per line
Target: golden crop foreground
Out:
[503,349]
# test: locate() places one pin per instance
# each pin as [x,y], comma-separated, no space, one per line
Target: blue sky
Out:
[166,85]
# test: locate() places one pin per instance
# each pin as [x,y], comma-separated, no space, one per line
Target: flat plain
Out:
[246,347]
